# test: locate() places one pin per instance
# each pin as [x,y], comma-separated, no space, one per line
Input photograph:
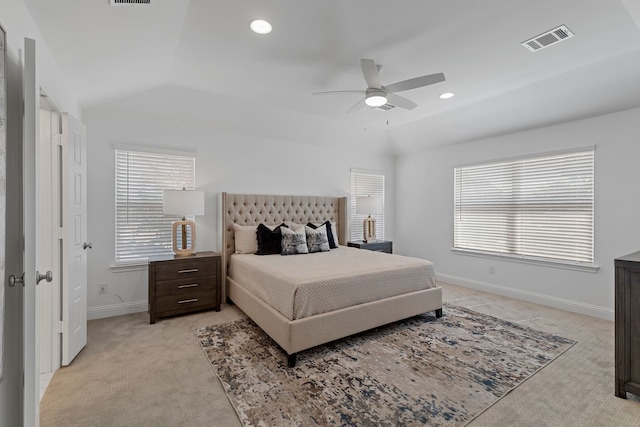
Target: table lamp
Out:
[369,205]
[183,203]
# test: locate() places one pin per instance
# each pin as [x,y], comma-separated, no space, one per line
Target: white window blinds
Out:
[142,230]
[364,184]
[539,207]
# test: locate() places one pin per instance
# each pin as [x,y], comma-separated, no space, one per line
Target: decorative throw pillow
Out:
[246,239]
[294,242]
[317,240]
[269,240]
[294,225]
[332,235]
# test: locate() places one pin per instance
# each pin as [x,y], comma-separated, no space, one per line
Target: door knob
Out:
[48,276]
[13,280]
[87,245]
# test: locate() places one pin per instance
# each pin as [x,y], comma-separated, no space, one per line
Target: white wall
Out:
[231,157]
[18,24]
[424,212]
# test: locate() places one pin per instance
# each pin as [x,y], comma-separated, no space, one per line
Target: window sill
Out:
[567,265]
[124,268]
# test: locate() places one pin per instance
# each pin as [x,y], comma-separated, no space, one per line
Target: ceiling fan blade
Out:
[356,105]
[338,91]
[415,83]
[401,101]
[371,73]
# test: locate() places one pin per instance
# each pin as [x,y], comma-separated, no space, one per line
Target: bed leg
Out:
[291,360]
[439,312]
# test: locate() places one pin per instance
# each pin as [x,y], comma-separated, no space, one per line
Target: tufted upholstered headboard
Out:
[253,209]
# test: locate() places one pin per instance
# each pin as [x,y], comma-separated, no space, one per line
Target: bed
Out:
[390,292]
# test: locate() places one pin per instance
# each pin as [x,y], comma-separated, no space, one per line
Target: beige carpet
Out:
[419,371]
[135,374]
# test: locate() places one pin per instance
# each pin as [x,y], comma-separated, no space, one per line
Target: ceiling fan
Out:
[377,95]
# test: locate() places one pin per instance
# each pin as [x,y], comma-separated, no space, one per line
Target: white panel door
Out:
[49,239]
[31,346]
[12,386]
[74,280]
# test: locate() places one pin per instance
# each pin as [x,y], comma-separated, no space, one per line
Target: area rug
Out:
[420,371]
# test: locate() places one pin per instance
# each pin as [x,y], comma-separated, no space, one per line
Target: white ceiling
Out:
[110,52]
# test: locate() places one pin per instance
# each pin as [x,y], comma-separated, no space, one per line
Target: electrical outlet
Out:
[492,269]
[102,287]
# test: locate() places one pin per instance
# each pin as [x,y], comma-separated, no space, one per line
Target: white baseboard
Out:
[561,303]
[118,309]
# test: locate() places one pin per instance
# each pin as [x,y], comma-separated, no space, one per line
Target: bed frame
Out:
[294,336]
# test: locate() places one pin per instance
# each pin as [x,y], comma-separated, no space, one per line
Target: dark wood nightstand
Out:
[179,285]
[377,246]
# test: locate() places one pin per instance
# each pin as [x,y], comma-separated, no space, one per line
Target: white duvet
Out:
[303,285]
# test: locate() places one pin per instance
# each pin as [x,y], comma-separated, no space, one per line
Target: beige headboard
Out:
[253,209]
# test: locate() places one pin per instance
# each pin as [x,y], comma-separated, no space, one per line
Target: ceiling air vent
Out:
[547,39]
[128,2]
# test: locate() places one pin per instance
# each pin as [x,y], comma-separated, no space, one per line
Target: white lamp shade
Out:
[369,205]
[183,202]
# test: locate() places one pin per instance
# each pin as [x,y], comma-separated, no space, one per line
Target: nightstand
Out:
[179,285]
[377,246]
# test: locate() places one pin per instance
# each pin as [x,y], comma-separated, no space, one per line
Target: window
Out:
[536,207]
[142,230]
[363,184]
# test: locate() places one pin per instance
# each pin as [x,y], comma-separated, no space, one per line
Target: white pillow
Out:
[246,239]
[294,225]
[334,231]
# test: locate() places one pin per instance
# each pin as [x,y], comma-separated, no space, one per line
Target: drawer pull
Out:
[192,285]
[185,301]
[191,270]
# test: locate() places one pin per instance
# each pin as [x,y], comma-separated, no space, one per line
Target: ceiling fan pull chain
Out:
[365,118]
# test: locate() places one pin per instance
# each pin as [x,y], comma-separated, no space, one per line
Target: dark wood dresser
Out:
[627,324]
[179,285]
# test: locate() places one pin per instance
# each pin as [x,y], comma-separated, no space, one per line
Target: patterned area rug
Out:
[420,371]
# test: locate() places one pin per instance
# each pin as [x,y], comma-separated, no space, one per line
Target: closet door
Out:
[75,244]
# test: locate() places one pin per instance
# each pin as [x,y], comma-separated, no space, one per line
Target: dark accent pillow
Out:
[269,240]
[333,242]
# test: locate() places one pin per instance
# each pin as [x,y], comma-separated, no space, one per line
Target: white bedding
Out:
[299,286]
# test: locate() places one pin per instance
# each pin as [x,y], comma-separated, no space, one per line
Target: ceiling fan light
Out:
[260,26]
[376,101]
[375,98]
[447,95]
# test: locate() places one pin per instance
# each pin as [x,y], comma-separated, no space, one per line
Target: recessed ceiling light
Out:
[447,95]
[260,26]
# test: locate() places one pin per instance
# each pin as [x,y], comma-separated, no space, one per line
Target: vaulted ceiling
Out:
[109,52]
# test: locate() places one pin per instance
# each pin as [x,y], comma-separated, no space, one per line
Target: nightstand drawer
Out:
[168,305]
[186,286]
[185,270]
[181,285]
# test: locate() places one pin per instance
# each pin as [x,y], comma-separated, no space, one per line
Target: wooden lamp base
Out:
[184,251]
[369,229]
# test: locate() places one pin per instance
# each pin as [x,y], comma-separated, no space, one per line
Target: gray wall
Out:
[424,212]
